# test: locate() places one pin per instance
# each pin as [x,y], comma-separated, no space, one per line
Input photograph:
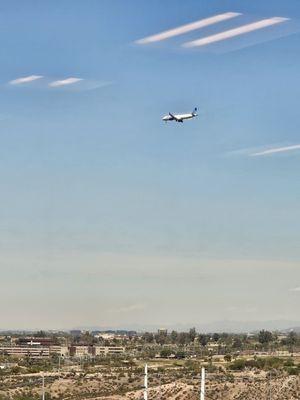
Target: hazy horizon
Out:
[225,326]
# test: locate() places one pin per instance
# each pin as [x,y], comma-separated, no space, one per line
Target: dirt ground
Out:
[174,384]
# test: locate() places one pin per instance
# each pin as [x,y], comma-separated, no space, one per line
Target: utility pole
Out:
[202,387]
[146,383]
[269,391]
[43,387]
[159,387]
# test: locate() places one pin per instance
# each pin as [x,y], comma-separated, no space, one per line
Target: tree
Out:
[87,338]
[148,337]
[180,354]
[237,343]
[192,334]
[203,339]
[183,338]
[292,340]
[174,336]
[166,352]
[40,334]
[161,338]
[265,337]
[216,337]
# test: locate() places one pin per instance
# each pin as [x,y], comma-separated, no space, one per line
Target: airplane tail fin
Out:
[195,111]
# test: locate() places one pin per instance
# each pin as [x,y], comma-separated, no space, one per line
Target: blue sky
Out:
[96,190]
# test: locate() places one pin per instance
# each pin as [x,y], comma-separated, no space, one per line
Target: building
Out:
[62,351]
[282,353]
[75,332]
[162,331]
[25,351]
[107,350]
[111,335]
[80,350]
[92,351]
[35,341]
[105,336]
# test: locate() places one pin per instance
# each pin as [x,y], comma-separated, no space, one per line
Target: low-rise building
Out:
[162,331]
[62,351]
[282,353]
[105,336]
[80,351]
[25,351]
[35,341]
[107,350]
[92,351]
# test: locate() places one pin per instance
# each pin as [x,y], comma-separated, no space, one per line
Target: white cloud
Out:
[296,289]
[25,79]
[64,82]
[187,28]
[235,32]
[276,150]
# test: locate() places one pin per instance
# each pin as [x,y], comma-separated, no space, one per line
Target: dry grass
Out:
[175,383]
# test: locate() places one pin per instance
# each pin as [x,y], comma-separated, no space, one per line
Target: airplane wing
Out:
[173,116]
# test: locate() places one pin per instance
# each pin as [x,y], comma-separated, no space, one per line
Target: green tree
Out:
[40,334]
[265,337]
[203,339]
[237,343]
[292,340]
[192,334]
[148,337]
[180,354]
[166,352]
[216,337]
[174,336]
[183,338]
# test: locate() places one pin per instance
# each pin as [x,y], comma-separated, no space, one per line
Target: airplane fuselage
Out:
[179,117]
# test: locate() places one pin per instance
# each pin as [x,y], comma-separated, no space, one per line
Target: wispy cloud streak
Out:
[242,30]
[64,82]
[25,79]
[276,150]
[187,28]
[296,289]
[130,308]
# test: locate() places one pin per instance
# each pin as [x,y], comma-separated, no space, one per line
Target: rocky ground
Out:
[174,384]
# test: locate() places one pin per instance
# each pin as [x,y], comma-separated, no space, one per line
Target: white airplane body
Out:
[180,117]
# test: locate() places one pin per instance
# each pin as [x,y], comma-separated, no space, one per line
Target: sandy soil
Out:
[172,385]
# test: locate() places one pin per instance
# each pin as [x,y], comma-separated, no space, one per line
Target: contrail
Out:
[264,23]
[64,82]
[187,28]
[25,79]
[277,150]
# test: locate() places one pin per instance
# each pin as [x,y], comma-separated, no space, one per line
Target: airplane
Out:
[180,117]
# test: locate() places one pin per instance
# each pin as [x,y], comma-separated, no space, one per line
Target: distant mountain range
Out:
[217,326]
[295,329]
[249,326]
